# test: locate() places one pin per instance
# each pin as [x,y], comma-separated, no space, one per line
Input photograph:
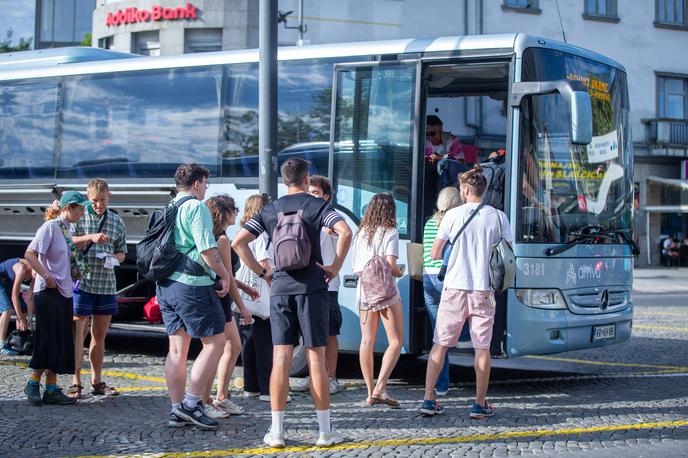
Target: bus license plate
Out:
[605,332]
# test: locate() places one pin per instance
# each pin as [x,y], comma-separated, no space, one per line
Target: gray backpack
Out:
[290,241]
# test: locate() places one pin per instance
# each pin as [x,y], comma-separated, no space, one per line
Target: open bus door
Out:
[374,147]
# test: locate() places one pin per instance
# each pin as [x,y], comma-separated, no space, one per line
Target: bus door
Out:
[374,148]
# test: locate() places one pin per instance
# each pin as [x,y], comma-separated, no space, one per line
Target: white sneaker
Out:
[251,394]
[329,439]
[441,392]
[274,440]
[334,385]
[301,386]
[266,398]
[226,405]
[213,412]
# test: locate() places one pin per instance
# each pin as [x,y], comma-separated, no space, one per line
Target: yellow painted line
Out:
[350,21]
[14,363]
[605,363]
[129,375]
[414,441]
[141,388]
[662,328]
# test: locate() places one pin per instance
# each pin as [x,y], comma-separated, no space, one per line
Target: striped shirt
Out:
[430,266]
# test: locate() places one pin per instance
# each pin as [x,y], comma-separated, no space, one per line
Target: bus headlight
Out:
[541,298]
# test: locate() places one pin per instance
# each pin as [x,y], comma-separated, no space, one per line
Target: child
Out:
[224,211]
[378,235]
[99,232]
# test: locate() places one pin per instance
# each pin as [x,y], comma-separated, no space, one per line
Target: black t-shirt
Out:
[317,213]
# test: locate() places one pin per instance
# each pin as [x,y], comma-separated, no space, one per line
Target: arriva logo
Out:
[582,273]
[571,275]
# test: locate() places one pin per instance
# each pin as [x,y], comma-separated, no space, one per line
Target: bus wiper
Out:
[593,232]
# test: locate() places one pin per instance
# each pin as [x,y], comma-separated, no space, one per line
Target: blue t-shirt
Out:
[6,272]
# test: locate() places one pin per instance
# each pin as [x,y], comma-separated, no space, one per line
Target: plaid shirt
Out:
[101,280]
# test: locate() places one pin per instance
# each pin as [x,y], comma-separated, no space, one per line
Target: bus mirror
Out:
[574,94]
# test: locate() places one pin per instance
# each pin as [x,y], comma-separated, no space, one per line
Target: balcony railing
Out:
[667,131]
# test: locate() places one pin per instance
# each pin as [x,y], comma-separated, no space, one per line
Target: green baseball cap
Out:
[74,197]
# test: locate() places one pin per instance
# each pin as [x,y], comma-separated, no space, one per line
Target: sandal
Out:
[74,391]
[101,389]
[385,399]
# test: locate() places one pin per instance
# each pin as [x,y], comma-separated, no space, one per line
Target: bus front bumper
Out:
[533,331]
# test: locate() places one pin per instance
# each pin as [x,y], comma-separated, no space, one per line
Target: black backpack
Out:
[493,171]
[157,256]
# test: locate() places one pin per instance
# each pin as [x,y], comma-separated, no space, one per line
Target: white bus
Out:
[357,112]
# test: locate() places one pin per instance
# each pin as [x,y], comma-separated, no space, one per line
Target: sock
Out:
[50,382]
[175,405]
[324,420]
[35,379]
[190,400]
[2,343]
[277,421]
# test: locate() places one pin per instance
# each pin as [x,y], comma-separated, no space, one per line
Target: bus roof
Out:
[497,44]
[57,56]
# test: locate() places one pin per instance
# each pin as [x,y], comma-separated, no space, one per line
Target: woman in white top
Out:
[378,235]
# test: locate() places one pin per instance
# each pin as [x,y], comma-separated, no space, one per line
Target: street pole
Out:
[267,98]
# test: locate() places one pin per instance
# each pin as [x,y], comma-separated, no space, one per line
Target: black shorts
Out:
[335,314]
[305,314]
[196,309]
[226,303]
[53,345]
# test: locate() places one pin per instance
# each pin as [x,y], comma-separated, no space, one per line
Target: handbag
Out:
[261,306]
[20,341]
[502,264]
[76,260]
[446,252]
[414,257]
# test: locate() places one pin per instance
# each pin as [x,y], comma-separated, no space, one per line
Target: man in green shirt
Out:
[189,301]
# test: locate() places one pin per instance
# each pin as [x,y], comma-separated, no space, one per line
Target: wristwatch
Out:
[262,274]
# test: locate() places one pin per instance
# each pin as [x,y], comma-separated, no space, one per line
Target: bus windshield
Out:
[565,187]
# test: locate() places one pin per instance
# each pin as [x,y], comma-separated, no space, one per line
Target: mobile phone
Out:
[402,267]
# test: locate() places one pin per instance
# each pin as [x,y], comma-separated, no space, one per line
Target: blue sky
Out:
[18,14]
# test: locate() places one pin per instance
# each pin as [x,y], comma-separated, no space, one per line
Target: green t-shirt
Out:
[193,233]
[429,235]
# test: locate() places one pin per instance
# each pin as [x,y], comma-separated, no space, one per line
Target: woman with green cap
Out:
[54,257]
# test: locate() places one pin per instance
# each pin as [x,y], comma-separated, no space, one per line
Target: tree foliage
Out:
[7,45]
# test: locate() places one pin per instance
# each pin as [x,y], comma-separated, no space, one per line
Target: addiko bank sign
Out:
[156,13]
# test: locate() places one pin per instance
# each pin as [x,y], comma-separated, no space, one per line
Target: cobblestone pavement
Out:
[629,399]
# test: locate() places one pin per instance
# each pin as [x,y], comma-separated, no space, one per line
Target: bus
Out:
[356,111]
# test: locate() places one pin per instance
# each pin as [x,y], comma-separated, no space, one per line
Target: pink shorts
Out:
[457,306]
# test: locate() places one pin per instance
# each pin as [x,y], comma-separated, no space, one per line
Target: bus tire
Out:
[299,363]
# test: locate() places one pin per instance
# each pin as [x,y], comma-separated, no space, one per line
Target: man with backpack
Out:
[299,302]
[189,300]
[472,229]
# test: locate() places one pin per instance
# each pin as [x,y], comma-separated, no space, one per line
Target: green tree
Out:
[87,41]
[7,45]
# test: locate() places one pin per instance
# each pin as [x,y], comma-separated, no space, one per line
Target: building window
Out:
[672,98]
[105,42]
[523,6]
[671,13]
[202,40]
[147,43]
[601,9]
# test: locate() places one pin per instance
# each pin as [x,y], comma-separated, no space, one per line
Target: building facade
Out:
[170,27]
[62,22]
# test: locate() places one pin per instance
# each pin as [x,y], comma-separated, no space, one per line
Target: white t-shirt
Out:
[468,267]
[328,250]
[385,243]
[262,249]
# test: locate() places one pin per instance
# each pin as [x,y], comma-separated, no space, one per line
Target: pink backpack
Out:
[377,281]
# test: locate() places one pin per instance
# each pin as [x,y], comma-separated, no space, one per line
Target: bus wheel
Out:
[299,364]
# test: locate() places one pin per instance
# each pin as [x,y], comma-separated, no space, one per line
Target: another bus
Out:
[357,112]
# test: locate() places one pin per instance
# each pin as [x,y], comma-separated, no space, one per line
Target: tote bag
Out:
[261,306]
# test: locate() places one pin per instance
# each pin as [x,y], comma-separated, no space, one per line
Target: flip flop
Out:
[386,399]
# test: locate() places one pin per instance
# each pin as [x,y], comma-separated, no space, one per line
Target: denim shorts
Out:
[6,297]
[87,304]
[196,309]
